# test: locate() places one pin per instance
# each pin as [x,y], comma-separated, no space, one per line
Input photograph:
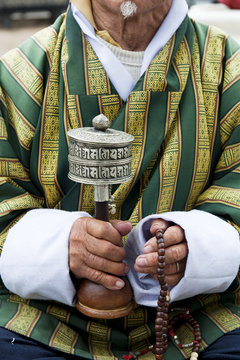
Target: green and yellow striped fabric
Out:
[184,113]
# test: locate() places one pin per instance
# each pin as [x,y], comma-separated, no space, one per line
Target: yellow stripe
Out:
[222,195]
[64,338]
[136,318]
[20,202]
[48,145]
[137,212]
[155,77]
[24,129]
[13,168]
[96,79]
[99,341]
[47,39]
[2,97]
[211,76]
[202,146]
[135,124]
[24,320]
[220,315]
[24,72]
[229,122]
[58,312]
[142,333]
[232,71]
[110,105]
[18,300]
[73,119]
[237,171]
[229,158]
[8,180]
[3,129]
[181,63]
[170,161]
[64,60]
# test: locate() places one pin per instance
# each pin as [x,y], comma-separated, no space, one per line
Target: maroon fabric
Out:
[233,4]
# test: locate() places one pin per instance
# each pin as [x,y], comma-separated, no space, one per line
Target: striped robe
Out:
[184,113]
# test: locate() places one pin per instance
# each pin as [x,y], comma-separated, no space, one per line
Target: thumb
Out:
[123,227]
[158,224]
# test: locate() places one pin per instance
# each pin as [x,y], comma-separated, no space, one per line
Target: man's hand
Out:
[176,252]
[95,251]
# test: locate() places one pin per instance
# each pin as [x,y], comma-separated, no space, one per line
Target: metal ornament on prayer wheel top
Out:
[101,156]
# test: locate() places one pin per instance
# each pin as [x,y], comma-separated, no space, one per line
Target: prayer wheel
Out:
[101,156]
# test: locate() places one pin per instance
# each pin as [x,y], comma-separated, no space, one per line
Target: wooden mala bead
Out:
[161,322]
[162,325]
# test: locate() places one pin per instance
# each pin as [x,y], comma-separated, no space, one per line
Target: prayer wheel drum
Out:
[101,156]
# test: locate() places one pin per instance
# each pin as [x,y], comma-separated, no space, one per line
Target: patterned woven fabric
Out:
[184,113]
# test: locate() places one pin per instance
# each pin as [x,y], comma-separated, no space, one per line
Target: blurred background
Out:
[19,19]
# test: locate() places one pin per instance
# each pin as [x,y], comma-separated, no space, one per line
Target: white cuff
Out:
[34,260]
[213,259]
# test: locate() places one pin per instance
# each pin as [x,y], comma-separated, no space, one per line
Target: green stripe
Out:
[36,55]
[22,100]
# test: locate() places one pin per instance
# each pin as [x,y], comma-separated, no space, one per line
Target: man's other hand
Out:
[176,252]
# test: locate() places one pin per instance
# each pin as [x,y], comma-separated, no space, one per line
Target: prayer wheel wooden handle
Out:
[95,300]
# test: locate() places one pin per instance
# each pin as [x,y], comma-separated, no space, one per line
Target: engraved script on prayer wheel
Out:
[101,156]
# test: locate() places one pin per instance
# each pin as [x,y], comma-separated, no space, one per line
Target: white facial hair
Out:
[128,8]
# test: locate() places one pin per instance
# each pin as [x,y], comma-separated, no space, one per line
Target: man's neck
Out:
[135,32]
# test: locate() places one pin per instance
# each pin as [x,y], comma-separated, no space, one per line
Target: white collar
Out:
[125,83]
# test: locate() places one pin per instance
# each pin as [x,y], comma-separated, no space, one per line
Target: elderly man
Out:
[174,85]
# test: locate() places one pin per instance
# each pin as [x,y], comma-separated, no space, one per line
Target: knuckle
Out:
[176,253]
[119,253]
[75,265]
[174,233]
[104,228]
[109,249]
[96,276]
[120,269]
[78,230]
[114,253]
[109,282]
[94,260]
[153,259]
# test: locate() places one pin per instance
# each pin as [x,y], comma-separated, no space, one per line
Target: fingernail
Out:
[147,249]
[141,261]
[120,284]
